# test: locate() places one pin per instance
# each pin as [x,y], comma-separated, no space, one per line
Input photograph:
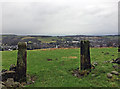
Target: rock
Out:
[84,72]
[114,72]
[106,61]
[116,61]
[2,83]
[23,83]
[115,66]
[9,82]
[111,61]
[3,87]
[33,81]
[12,67]
[3,70]
[93,67]
[8,74]
[29,82]
[95,63]
[17,84]
[75,74]
[109,75]
[93,75]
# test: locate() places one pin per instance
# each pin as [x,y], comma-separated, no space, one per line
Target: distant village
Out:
[39,42]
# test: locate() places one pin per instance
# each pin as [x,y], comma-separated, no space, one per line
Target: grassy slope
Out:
[56,73]
[46,39]
[42,39]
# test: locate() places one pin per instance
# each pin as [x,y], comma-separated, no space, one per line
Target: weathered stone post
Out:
[119,53]
[118,49]
[21,62]
[85,55]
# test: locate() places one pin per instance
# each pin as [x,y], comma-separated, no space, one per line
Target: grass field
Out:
[56,73]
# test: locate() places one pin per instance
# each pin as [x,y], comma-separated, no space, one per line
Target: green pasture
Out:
[57,73]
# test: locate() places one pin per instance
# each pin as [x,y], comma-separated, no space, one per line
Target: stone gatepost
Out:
[85,55]
[21,62]
[119,53]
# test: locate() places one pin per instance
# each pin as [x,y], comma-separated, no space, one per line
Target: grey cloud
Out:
[60,18]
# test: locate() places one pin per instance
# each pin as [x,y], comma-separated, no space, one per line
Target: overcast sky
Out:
[60,17]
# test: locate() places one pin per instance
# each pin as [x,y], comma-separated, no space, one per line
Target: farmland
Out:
[9,42]
[58,71]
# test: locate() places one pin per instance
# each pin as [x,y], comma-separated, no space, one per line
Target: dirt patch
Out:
[72,57]
[44,49]
[30,80]
[79,74]
[49,59]
[64,57]
[53,49]
[56,48]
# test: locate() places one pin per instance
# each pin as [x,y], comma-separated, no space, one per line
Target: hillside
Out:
[58,71]
[9,42]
